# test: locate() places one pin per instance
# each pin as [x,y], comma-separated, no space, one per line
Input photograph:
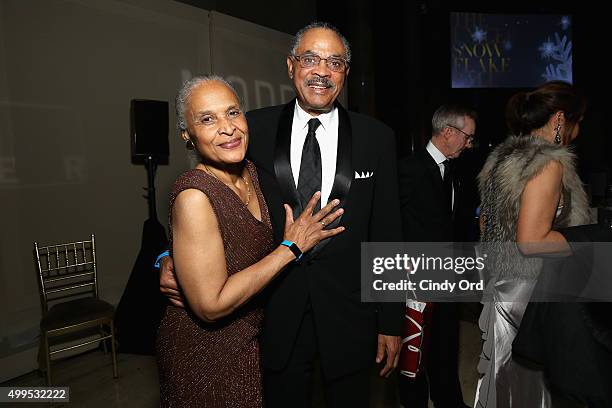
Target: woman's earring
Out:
[558,134]
[189,145]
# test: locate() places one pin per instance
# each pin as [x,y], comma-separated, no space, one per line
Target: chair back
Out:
[66,271]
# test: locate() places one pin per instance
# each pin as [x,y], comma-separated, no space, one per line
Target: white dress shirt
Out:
[327,137]
[439,159]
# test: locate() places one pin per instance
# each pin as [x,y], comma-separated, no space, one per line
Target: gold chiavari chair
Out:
[73,315]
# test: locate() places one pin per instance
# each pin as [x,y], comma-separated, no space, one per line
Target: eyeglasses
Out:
[468,137]
[335,64]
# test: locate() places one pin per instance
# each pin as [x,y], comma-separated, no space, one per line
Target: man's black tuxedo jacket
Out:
[427,217]
[329,277]
[426,214]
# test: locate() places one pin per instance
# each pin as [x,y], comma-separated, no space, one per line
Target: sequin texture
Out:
[217,364]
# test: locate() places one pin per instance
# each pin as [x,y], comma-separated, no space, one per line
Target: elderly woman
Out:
[221,241]
[529,189]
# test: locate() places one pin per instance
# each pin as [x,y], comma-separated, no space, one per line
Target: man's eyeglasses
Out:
[468,137]
[335,64]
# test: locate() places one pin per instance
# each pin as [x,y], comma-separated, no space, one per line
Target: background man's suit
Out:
[326,284]
[427,217]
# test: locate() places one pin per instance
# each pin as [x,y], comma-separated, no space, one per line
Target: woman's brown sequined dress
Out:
[217,364]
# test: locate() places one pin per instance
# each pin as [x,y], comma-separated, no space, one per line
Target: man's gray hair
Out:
[185,92]
[451,114]
[320,24]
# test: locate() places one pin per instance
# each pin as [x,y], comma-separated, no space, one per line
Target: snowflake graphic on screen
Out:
[565,22]
[561,52]
[479,35]
[547,49]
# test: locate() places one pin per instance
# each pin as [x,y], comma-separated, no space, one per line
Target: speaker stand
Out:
[139,311]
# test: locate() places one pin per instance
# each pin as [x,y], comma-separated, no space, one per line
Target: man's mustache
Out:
[328,83]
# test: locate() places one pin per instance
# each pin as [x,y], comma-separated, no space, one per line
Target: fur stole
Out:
[501,183]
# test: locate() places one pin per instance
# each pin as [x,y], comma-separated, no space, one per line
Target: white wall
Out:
[68,70]
[254,60]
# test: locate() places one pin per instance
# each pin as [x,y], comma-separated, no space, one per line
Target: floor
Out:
[89,377]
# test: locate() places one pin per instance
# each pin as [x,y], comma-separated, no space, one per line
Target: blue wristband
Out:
[160,257]
[294,248]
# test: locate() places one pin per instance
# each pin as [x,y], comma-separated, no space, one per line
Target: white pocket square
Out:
[363,174]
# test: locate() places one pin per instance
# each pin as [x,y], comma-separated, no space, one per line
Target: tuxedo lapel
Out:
[434,172]
[282,162]
[344,169]
[284,173]
[437,181]
[344,165]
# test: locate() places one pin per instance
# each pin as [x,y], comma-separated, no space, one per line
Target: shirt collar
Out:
[435,153]
[301,117]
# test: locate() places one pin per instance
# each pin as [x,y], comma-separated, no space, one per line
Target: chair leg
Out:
[41,355]
[113,349]
[104,347]
[47,351]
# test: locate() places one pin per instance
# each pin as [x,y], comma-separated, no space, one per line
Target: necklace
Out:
[248,198]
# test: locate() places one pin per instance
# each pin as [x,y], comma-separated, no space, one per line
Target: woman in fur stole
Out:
[529,188]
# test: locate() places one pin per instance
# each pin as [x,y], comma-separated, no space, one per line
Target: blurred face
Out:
[458,139]
[317,87]
[215,124]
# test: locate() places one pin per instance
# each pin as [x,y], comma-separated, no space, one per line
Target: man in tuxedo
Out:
[430,198]
[313,308]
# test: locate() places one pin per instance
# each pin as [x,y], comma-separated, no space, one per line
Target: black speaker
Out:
[149,131]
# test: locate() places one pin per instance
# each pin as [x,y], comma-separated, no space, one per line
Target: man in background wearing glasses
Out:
[429,198]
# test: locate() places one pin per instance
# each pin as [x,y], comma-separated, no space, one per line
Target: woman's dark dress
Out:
[217,364]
